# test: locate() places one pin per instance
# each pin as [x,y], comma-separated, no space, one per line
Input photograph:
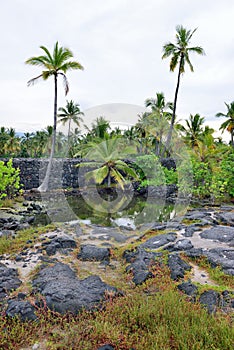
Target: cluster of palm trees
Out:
[152,133]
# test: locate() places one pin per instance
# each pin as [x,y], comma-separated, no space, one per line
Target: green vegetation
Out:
[152,316]
[15,244]
[9,181]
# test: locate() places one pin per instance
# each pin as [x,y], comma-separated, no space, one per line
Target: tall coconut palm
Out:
[229,123]
[179,53]
[56,64]
[70,113]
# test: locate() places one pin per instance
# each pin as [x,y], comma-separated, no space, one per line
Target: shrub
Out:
[9,180]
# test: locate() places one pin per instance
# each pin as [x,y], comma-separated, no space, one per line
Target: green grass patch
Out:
[190,222]
[12,245]
[216,274]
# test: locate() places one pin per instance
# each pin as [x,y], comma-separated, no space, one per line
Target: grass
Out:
[216,274]
[152,316]
[19,241]
[190,221]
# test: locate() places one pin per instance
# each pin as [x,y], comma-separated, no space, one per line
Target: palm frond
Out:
[118,177]
[98,175]
[65,83]
[49,57]
[32,81]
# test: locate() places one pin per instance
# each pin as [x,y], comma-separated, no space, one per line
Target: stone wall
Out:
[32,172]
[64,171]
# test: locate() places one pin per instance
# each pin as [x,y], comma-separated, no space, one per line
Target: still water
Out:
[109,211]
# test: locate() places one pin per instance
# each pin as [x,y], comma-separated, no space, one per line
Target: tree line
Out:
[152,134]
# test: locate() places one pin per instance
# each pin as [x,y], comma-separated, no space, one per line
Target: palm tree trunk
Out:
[68,136]
[169,136]
[232,138]
[45,183]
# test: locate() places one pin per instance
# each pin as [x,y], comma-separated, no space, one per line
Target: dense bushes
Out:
[212,178]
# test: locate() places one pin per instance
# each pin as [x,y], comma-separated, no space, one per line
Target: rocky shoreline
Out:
[49,264]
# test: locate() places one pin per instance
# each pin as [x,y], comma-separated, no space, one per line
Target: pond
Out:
[128,211]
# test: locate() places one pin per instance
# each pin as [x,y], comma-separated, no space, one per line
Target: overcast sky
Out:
[119,43]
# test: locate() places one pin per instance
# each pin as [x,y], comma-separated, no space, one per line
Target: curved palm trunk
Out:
[169,136]
[45,183]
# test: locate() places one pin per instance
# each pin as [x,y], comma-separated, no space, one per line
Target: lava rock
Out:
[9,280]
[90,252]
[59,243]
[177,266]
[22,309]
[188,288]
[220,233]
[180,245]
[189,230]
[210,299]
[64,292]
[140,263]
[226,218]
[106,347]
[159,241]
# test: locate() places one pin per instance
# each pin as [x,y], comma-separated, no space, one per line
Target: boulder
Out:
[159,241]
[177,266]
[220,233]
[22,309]
[188,288]
[210,299]
[64,292]
[9,280]
[90,252]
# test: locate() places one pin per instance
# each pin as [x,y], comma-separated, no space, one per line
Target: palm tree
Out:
[3,139]
[26,144]
[159,105]
[12,146]
[71,113]
[193,130]
[107,163]
[100,127]
[55,64]
[229,123]
[179,53]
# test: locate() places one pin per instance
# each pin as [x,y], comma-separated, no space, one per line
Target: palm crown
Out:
[229,123]
[180,51]
[55,64]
